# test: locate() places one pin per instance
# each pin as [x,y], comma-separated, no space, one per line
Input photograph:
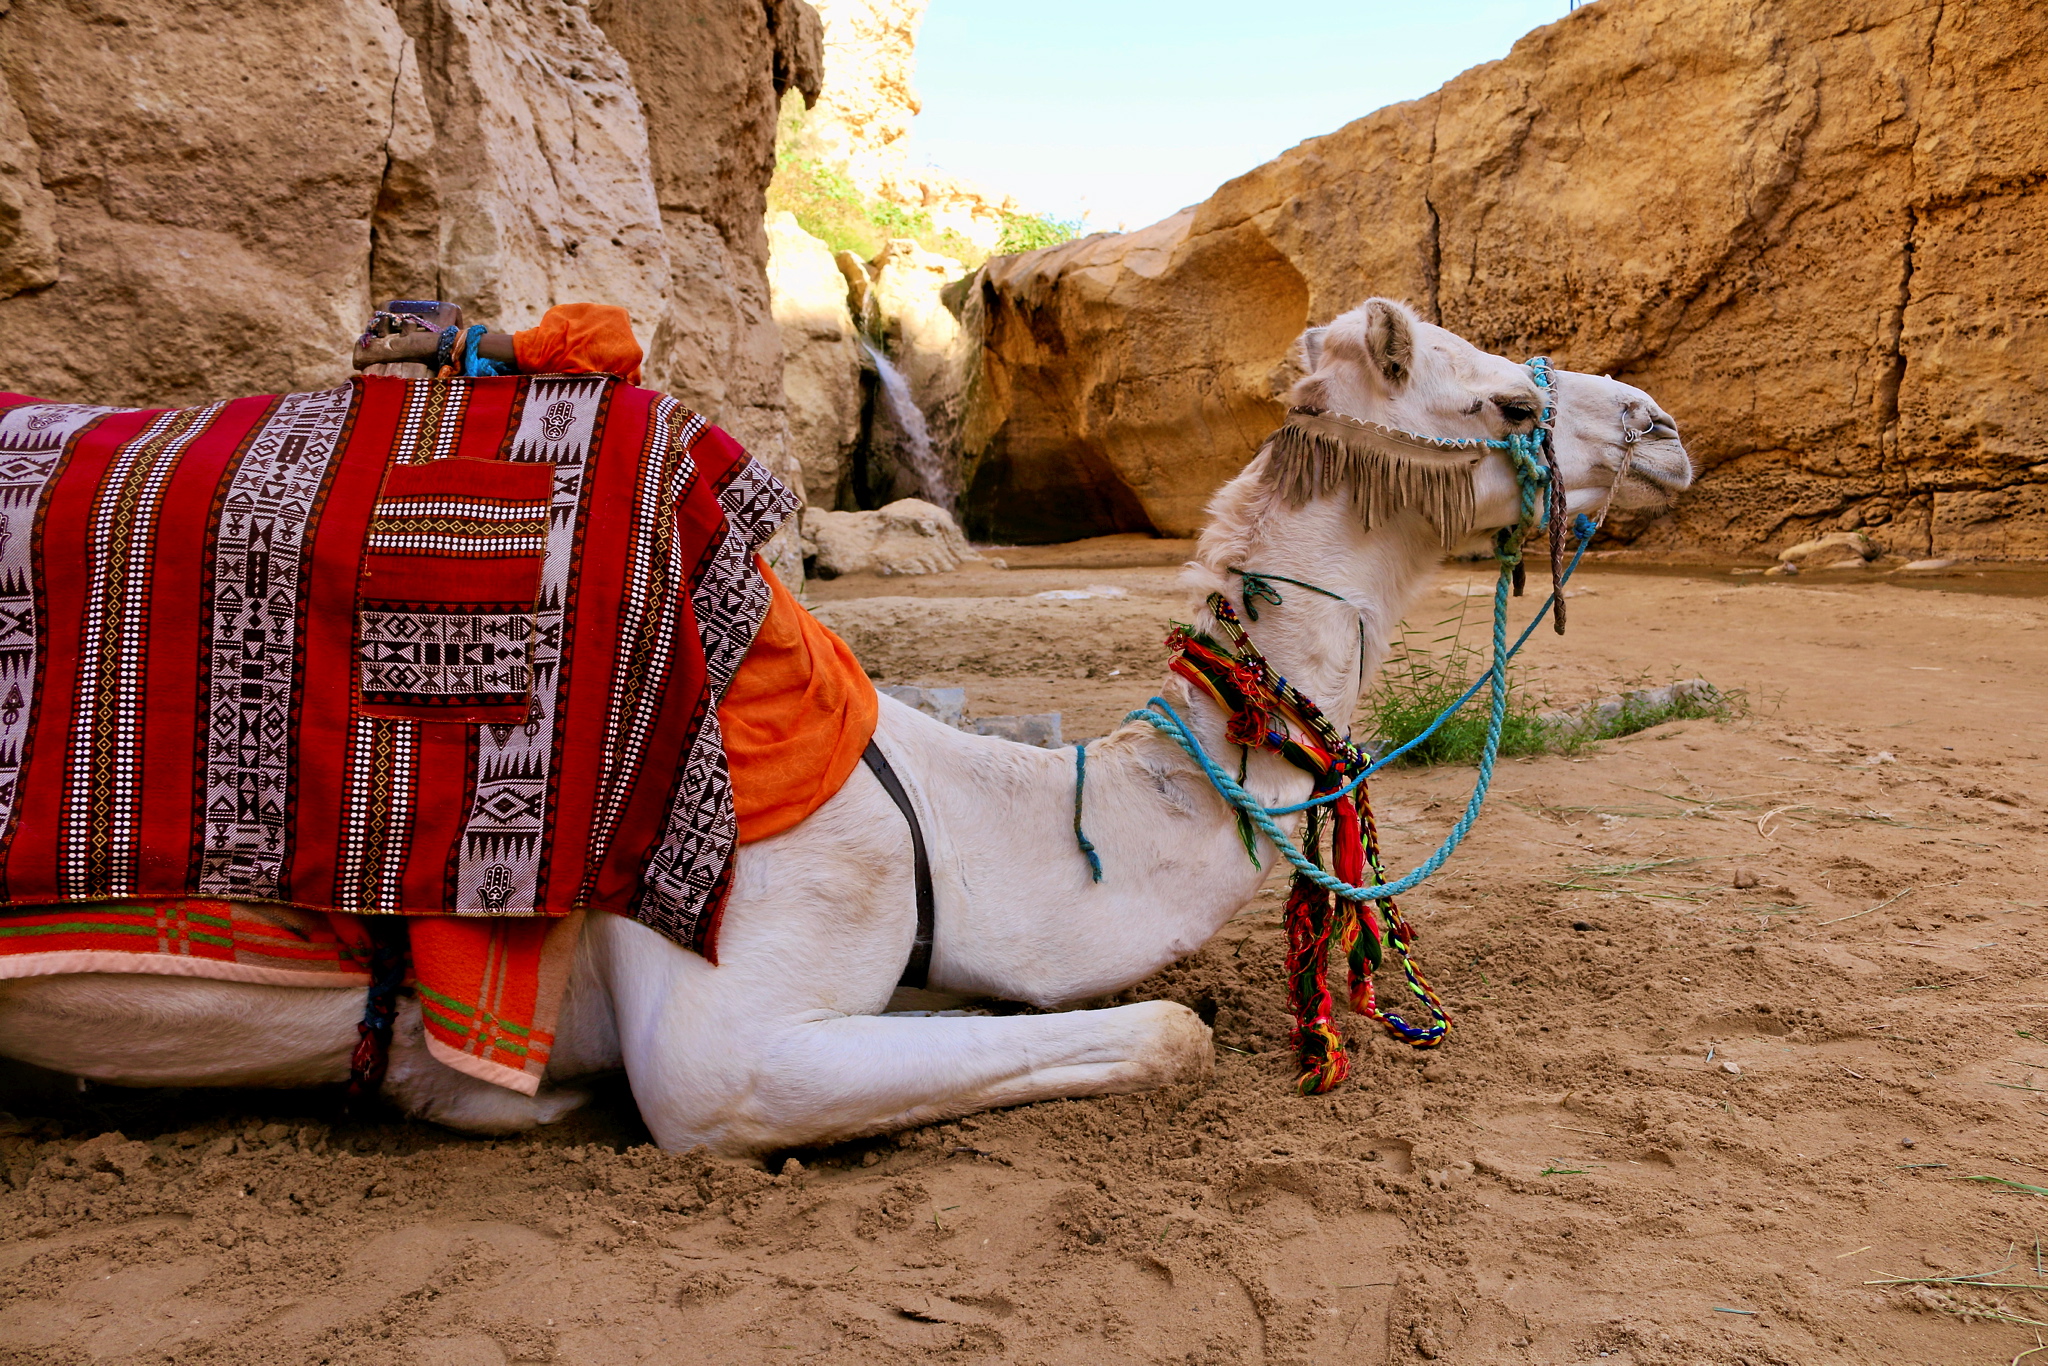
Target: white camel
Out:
[785,1043]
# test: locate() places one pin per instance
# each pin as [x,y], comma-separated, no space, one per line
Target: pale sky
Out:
[1128,110]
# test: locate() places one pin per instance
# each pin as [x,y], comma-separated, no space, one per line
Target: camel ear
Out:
[1380,336]
[1308,349]
[1390,340]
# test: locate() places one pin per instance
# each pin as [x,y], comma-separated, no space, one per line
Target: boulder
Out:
[1830,549]
[1591,718]
[1040,730]
[909,536]
[949,706]
[1828,291]
[945,705]
[820,356]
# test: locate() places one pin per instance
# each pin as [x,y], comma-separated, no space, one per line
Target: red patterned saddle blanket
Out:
[444,648]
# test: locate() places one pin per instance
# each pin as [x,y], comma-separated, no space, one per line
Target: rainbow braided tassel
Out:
[1318,1045]
[1400,936]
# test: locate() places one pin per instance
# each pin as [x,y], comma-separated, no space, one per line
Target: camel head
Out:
[1613,438]
[1380,363]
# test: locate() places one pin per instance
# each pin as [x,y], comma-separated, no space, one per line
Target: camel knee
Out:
[1177,1047]
[426,1088]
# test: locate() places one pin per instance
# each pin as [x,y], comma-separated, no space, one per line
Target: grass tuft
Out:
[1423,677]
[1417,683]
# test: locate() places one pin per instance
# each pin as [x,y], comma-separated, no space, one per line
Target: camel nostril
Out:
[1663,427]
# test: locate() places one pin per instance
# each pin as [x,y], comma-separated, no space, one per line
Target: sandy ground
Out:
[1741,1005]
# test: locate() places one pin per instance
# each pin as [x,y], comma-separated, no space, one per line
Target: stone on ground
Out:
[908,536]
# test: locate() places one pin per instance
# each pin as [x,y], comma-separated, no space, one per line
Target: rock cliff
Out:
[821,361]
[202,199]
[862,121]
[1803,224]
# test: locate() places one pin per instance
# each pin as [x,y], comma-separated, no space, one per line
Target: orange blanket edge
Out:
[796,718]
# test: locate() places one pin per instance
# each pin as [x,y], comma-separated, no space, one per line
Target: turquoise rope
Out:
[1080,784]
[1166,720]
[469,364]
[1584,529]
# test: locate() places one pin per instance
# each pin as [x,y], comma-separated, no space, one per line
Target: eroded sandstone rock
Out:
[1805,227]
[28,233]
[908,536]
[820,356]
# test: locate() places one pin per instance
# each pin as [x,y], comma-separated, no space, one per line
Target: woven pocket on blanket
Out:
[445,606]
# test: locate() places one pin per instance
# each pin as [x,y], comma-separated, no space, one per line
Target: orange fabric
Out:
[580,339]
[796,718]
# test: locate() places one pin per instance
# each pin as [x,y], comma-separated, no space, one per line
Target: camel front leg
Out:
[810,1082]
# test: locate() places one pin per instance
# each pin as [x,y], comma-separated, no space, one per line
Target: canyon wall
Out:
[1811,228]
[200,199]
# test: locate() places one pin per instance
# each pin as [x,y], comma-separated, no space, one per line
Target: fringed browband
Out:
[1384,469]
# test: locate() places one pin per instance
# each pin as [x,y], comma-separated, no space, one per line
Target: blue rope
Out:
[1584,529]
[1080,783]
[470,364]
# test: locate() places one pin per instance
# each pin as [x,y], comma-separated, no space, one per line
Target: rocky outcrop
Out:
[199,200]
[1805,227]
[821,371]
[908,536]
[862,118]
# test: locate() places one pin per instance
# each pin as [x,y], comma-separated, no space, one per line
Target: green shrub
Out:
[1416,683]
[832,209]
[1030,231]
[1421,678]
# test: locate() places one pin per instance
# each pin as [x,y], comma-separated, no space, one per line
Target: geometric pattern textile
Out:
[447,647]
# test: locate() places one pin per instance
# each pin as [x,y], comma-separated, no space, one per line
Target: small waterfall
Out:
[916,451]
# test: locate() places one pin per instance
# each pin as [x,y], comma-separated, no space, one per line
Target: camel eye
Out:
[1515,412]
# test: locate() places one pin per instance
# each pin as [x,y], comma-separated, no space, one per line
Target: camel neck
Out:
[1329,631]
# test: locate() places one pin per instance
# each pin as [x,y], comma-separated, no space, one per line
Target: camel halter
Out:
[1238,677]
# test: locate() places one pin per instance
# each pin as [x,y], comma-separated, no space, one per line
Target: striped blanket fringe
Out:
[489,989]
